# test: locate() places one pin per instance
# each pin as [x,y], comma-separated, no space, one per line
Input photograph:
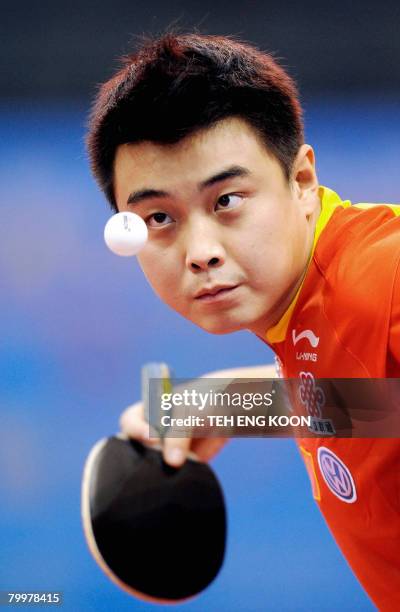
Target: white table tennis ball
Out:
[125,234]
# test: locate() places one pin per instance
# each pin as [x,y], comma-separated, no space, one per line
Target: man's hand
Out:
[176,450]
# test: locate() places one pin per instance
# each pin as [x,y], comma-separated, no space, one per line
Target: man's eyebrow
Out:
[231,172]
[146,194]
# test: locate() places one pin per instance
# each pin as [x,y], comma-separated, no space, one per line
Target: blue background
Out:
[78,322]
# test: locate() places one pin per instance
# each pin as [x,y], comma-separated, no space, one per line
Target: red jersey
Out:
[345,323]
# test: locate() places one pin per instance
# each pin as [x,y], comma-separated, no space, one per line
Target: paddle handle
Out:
[156,380]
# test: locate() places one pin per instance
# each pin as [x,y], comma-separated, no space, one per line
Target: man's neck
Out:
[261,327]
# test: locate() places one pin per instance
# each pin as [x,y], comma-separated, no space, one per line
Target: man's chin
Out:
[219,328]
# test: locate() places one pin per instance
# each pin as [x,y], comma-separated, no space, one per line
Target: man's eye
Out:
[229,201]
[159,219]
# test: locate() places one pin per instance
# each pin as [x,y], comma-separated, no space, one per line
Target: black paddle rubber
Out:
[157,531]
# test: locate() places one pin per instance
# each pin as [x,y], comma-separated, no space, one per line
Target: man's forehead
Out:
[229,143]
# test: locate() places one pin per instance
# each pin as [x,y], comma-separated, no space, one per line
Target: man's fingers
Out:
[175,450]
[134,425]
[132,422]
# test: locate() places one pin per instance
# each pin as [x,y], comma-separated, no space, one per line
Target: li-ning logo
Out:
[303,356]
[308,334]
[336,475]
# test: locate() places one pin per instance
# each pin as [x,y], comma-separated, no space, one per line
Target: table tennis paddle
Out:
[158,532]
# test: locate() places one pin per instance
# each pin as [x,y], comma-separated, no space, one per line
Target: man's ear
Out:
[304,177]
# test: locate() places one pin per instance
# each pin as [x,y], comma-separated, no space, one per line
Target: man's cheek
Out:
[166,287]
[164,278]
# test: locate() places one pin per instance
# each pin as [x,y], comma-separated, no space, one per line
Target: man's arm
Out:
[260,371]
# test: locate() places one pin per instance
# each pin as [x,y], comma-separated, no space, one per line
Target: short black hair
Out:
[177,84]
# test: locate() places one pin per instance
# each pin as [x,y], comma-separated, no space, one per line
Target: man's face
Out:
[229,237]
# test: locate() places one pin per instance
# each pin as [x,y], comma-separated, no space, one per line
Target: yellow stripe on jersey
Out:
[329,201]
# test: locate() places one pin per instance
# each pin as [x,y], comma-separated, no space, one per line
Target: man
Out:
[202,137]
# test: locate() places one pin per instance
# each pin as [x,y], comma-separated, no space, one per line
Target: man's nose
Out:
[204,249]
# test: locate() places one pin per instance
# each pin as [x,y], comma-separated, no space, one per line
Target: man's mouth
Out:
[214,292]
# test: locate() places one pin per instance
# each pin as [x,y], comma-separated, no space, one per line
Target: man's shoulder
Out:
[361,237]
[349,288]
[356,259]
